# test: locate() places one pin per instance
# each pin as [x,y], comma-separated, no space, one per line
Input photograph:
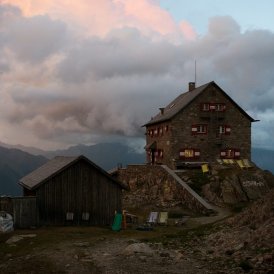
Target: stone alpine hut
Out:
[73,190]
[200,125]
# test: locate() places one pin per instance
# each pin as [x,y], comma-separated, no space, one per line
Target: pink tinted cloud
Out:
[187,30]
[100,17]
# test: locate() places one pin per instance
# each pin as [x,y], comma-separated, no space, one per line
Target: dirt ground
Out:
[100,250]
[94,250]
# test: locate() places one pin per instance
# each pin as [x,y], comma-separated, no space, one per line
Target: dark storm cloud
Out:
[31,39]
[111,85]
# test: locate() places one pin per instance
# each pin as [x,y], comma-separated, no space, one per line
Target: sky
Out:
[88,71]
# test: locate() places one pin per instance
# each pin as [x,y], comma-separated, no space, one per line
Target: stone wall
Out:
[152,185]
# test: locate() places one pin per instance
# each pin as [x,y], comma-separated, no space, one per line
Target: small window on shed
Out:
[69,216]
[85,216]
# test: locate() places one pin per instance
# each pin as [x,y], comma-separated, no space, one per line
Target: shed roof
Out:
[184,100]
[54,167]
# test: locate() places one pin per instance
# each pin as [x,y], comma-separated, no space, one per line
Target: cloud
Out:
[92,71]
[94,17]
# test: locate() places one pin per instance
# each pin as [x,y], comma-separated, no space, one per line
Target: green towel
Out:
[116,226]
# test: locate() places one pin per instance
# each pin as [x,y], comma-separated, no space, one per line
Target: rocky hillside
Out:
[248,238]
[230,185]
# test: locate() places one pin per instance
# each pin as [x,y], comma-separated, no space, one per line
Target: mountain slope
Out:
[15,164]
[263,158]
[106,155]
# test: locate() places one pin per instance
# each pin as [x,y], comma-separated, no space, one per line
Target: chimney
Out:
[162,110]
[191,86]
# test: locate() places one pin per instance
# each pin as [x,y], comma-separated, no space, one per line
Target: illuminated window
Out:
[189,153]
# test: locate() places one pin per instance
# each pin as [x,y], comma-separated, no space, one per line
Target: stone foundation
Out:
[153,185]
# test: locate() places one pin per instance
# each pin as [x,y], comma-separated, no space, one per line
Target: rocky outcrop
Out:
[155,186]
[247,238]
[231,185]
[225,185]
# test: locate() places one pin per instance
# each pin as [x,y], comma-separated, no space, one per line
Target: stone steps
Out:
[195,197]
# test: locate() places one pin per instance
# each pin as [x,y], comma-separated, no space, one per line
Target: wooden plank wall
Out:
[6,204]
[24,212]
[79,189]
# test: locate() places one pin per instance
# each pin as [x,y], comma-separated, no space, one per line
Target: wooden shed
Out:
[73,190]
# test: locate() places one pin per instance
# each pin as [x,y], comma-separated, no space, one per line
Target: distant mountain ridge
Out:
[15,163]
[263,158]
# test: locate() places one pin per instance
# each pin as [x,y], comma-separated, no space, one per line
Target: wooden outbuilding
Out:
[74,191]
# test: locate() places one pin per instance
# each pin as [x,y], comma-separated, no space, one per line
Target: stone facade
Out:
[210,127]
[152,185]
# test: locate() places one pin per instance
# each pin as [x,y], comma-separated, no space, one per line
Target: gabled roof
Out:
[184,99]
[54,167]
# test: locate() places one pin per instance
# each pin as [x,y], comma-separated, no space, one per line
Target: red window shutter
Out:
[237,153]
[212,106]
[223,153]
[194,129]
[227,130]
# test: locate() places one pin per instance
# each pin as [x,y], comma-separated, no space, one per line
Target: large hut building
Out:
[200,126]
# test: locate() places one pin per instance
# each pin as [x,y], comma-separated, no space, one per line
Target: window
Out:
[160,153]
[155,132]
[160,131]
[220,107]
[205,106]
[224,129]
[230,153]
[166,128]
[189,153]
[199,129]
[213,107]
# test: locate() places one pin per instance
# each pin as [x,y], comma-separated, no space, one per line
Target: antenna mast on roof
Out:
[195,74]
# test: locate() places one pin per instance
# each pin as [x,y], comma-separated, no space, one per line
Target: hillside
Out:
[106,155]
[14,164]
[263,158]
